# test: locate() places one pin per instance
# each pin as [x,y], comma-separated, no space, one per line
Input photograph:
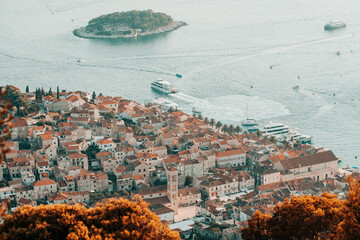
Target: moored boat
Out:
[178,75]
[166,104]
[196,110]
[249,122]
[332,25]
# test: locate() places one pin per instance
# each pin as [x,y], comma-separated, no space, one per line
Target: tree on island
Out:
[144,20]
[115,219]
[27,89]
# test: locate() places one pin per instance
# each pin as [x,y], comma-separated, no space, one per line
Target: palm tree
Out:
[225,128]
[258,133]
[218,125]
[272,139]
[285,144]
[212,122]
[231,129]
[238,130]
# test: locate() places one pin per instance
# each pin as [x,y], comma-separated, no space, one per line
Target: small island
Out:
[128,24]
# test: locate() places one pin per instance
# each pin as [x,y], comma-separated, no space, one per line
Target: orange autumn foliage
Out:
[310,217]
[116,219]
[349,227]
[5,123]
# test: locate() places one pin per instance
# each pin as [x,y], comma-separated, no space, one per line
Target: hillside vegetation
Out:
[144,20]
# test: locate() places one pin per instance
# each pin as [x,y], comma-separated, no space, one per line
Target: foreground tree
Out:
[301,217]
[116,219]
[349,228]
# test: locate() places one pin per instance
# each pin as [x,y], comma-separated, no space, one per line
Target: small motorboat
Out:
[196,110]
[178,75]
[297,87]
[80,60]
[338,52]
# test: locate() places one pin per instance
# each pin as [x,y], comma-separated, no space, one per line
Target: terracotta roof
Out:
[188,191]
[308,160]
[42,163]
[43,183]
[101,154]
[229,153]
[105,141]
[46,136]
[77,155]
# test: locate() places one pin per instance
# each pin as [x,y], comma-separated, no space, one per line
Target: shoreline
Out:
[82,33]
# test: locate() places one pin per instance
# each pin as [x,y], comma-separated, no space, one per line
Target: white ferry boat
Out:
[334,25]
[163,86]
[166,104]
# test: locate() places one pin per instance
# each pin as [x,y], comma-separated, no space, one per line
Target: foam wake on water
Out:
[232,108]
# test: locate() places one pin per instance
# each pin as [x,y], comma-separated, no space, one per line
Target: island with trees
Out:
[128,24]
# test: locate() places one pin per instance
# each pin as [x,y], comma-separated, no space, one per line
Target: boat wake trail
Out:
[123,68]
[66,5]
[276,49]
[184,97]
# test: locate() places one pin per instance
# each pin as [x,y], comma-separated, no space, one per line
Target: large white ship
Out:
[163,86]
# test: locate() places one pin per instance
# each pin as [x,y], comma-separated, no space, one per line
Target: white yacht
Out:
[295,136]
[166,104]
[334,25]
[163,86]
[282,132]
[273,129]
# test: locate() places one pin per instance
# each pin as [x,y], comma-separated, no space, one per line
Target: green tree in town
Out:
[50,92]
[57,93]
[92,150]
[27,89]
